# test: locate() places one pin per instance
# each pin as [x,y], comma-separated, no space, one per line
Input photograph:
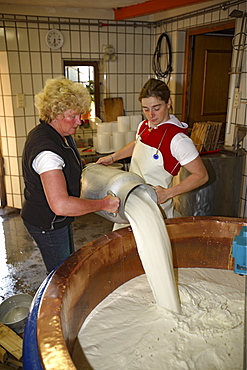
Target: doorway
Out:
[207,66]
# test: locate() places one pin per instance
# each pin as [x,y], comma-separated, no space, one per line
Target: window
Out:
[88,74]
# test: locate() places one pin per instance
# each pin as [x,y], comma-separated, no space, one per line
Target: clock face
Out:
[54,39]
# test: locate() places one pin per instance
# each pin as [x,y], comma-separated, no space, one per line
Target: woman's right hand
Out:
[112,203]
[105,160]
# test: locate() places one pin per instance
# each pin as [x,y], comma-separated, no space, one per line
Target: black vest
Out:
[36,210]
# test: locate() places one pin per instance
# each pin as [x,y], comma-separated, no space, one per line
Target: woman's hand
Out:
[112,204]
[162,194]
[105,160]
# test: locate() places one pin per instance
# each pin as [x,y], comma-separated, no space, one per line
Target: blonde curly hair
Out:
[60,94]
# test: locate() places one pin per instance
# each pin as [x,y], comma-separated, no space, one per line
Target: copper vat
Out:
[98,268]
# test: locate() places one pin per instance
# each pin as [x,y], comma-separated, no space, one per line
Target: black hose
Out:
[157,56]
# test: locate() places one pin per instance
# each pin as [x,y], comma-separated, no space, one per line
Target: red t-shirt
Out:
[161,138]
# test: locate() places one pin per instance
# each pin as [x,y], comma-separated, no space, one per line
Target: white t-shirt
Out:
[181,146]
[47,161]
[183,149]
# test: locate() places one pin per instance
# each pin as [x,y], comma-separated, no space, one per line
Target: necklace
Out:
[156,155]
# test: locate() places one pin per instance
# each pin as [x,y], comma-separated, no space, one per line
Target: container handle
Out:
[113,195]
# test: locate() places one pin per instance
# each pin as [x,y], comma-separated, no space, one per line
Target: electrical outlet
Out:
[20,100]
[237,98]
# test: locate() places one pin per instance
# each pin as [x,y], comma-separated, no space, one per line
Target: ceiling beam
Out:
[150,7]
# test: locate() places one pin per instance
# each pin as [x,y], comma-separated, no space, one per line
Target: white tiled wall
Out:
[26,62]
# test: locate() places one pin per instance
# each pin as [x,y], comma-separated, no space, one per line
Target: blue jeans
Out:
[54,245]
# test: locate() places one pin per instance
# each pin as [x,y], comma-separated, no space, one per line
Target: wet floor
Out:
[21,266]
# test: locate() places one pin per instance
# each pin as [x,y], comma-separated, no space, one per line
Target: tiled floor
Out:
[21,267]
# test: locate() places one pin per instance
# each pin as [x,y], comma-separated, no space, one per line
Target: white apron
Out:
[152,171]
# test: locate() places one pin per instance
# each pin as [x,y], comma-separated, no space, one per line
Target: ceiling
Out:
[123,9]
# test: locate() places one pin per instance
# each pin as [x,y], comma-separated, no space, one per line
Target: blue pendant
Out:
[155,156]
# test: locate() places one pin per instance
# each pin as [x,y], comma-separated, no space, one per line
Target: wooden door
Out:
[208,63]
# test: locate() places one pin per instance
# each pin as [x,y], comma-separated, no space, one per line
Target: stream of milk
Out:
[129,331]
[154,247]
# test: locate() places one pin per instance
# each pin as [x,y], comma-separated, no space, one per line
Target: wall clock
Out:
[54,39]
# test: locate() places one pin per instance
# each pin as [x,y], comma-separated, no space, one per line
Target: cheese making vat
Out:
[73,290]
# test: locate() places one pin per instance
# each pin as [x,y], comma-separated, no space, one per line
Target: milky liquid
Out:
[154,247]
[127,331]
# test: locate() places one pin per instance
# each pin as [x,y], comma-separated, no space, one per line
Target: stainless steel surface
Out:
[98,180]
[220,196]
[14,311]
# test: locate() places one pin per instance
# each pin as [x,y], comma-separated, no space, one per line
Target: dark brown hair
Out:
[156,88]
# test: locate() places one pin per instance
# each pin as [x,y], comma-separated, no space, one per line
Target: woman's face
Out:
[156,110]
[67,123]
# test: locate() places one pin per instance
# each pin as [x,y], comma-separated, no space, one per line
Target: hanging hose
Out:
[157,58]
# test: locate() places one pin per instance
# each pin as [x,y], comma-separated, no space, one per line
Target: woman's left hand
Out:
[162,194]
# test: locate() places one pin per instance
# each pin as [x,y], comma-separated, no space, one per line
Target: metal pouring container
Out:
[99,180]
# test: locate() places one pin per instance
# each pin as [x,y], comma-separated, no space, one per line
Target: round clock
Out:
[54,39]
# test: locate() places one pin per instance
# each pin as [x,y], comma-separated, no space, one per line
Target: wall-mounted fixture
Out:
[109,53]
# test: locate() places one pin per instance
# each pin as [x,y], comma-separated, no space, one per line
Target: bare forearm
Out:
[62,204]
[72,206]
[198,176]
[125,152]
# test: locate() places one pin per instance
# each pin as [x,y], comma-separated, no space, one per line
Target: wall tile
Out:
[16,84]
[33,35]
[35,62]
[121,81]
[8,105]
[17,201]
[29,109]
[14,62]
[12,148]
[75,41]
[31,122]
[46,62]
[22,37]
[94,42]
[130,64]
[15,184]
[10,126]
[85,47]
[57,63]
[37,84]
[5,149]
[67,41]
[8,185]
[27,83]
[9,198]
[1,107]
[121,42]
[6,88]
[42,35]
[2,40]
[11,38]
[20,126]
[14,168]
[25,62]
[2,126]
[6,165]
[20,145]
[4,62]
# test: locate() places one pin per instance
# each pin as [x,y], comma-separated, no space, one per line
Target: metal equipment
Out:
[239,253]
[98,181]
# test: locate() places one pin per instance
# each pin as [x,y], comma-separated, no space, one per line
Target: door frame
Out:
[189,57]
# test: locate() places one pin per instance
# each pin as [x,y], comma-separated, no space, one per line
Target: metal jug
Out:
[99,180]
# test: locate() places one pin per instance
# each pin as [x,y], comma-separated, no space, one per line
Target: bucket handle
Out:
[114,195]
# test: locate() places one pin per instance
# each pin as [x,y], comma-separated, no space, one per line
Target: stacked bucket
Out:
[112,136]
